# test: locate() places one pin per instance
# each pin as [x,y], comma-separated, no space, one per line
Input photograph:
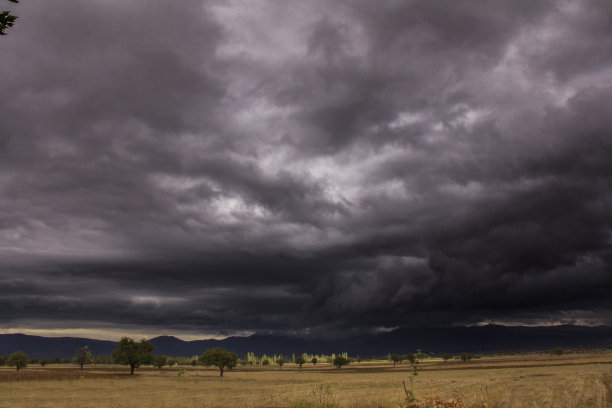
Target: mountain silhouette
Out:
[489,338]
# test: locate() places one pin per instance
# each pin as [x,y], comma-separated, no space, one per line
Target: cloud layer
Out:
[216,167]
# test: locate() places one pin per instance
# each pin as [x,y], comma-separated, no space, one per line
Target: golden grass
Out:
[574,381]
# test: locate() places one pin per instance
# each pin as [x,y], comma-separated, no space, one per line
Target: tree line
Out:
[137,353]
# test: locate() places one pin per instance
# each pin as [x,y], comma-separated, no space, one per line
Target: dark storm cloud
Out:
[220,167]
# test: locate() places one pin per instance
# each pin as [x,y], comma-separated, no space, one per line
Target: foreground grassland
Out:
[575,380]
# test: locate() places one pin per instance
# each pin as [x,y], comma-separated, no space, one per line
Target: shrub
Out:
[558,351]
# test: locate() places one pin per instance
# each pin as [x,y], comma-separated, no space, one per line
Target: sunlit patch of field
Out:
[543,381]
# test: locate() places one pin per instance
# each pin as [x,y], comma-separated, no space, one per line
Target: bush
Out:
[558,351]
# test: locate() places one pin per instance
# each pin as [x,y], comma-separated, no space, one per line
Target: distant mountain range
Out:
[403,340]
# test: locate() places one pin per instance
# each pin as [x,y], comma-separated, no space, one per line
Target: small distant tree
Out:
[265,361]
[18,359]
[414,372]
[446,357]
[220,358]
[466,357]
[314,361]
[133,354]
[160,361]
[395,359]
[280,363]
[340,361]
[559,351]
[43,362]
[83,356]
[411,358]
[194,362]
[1,359]
[299,360]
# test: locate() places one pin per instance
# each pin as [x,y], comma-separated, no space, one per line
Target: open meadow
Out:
[573,380]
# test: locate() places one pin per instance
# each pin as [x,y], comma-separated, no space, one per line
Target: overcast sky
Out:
[229,167]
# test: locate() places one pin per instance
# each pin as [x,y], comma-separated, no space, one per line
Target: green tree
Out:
[395,359]
[18,359]
[220,358]
[411,358]
[132,353]
[299,360]
[83,356]
[465,357]
[340,361]
[558,351]
[1,359]
[160,361]
[280,363]
[314,361]
[446,357]
[7,19]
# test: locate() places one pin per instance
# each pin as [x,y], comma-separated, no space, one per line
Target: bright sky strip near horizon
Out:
[209,168]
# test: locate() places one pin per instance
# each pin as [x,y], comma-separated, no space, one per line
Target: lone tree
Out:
[446,357]
[559,351]
[219,357]
[1,359]
[299,360]
[314,361]
[340,361]
[160,361]
[395,359]
[132,353]
[18,359]
[7,19]
[411,358]
[83,356]
[280,363]
[465,357]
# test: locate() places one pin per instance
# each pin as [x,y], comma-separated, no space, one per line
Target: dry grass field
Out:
[542,381]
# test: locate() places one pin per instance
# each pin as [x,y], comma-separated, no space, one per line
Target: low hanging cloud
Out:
[217,168]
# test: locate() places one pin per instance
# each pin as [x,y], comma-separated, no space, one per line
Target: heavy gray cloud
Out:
[220,167]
